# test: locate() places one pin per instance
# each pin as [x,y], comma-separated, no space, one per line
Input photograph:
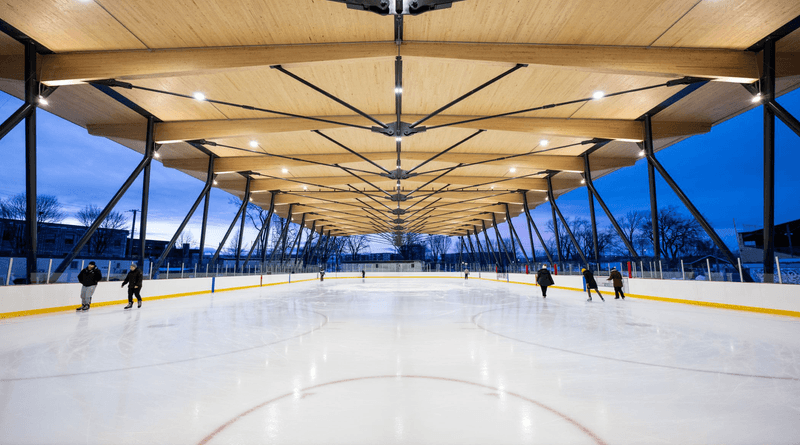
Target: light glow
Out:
[42,100]
[398,90]
[512,170]
[597,95]
[544,142]
[757,98]
[583,181]
[215,182]
[284,170]
[199,96]
[398,139]
[641,153]
[254,144]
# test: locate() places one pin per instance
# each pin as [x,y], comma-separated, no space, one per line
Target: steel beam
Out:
[230,228]
[264,232]
[514,233]
[696,213]
[307,245]
[149,150]
[538,234]
[203,193]
[564,221]
[768,93]
[281,236]
[480,249]
[316,246]
[595,247]
[22,113]
[489,247]
[31,216]
[500,242]
[555,227]
[100,218]
[620,232]
[285,234]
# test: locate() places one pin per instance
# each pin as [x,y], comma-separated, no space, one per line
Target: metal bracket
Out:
[405,129]
[397,174]
[380,7]
[384,7]
[417,7]
[398,211]
[398,221]
[398,228]
[398,197]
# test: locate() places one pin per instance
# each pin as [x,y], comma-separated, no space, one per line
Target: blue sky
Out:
[720,171]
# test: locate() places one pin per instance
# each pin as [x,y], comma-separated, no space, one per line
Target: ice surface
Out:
[400,361]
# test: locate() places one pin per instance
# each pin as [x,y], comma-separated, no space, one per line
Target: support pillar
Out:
[555,226]
[564,221]
[241,226]
[31,215]
[768,94]
[514,234]
[286,234]
[149,150]
[651,175]
[593,190]
[595,246]
[480,249]
[230,228]
[500,241]
[205,216]
[538,234]
[489,247]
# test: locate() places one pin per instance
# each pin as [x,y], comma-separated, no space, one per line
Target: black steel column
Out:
[22,113]
[149,149]
[514,234]
[307,245]
[286,234]
[31,216]
[205,211]
[564,221]
[203,194]
[620,232]
[298,237]
[651,175]
[316,246]
[500,241]
[472,249]
[489,247]
[263,233]
[241,226]
[538,234]
[230,228]
[594,225]
[768,93]
[552,200]
[480,248]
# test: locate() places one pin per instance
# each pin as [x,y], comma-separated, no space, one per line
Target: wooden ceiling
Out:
[323,159]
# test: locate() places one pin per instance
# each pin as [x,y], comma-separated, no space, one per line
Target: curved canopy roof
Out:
[470,106]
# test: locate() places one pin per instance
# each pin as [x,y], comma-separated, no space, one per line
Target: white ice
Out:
[382,361]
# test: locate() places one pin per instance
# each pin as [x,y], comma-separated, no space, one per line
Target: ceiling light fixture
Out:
[398,90]
[254,144]
[284,170]
[398,139]
[199,96]
[641,153]
[597,95]
[215,182]
[42,100]
[757,98]
[512,170]
[544,142]
[583,181]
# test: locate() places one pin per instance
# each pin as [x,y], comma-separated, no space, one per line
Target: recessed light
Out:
[597,95]
[398,139]
[42,100]
[156,155]
[254,144]
[641,153]
[199,96]
[398,90]
[512,170]
[583,181]
[215,182]
[544,142]
[305,187]
[757,98]
[284,170]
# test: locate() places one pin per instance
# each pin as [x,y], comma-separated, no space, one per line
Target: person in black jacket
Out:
[591,284]
[89,277]
[544,279]
[134,282]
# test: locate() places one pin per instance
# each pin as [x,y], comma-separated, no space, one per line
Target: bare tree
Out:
[233,244]
[101,239]
[355,244]
[186,237]
[678,234]
[48,209]
[258,217]
[439,245]
[631,225]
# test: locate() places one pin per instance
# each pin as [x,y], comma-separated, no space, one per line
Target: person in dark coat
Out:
[617,282]
[363,273]
[134,281]
[591,284]
[89,277]
[544,279]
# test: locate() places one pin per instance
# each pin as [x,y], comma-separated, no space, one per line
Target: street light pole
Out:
[133,228]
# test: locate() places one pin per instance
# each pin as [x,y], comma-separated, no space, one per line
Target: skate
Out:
[130,305]
[140,304]
[601,297]
[85,308]
[616,298]
[590,299]
[80,308]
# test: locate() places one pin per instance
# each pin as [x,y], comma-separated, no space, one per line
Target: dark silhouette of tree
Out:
[101,239]
[48,209]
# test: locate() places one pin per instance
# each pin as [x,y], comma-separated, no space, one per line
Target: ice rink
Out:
[412,361]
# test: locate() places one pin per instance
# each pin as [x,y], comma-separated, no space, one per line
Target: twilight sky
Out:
[720,171]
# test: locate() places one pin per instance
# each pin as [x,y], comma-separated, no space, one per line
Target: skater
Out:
[89,277]
[466,274]
[591,284]
[363,274]
[321,275]
[617,282]
[134,282]
[544,279]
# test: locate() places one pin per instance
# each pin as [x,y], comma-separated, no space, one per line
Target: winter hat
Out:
[544,267]
[613,268]
[91,263]
[583,270]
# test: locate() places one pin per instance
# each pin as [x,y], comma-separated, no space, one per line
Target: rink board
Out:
[16,301]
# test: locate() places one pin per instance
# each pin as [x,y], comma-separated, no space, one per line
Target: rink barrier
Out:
[70,292]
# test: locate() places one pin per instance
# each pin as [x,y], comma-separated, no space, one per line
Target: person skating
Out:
[544,279]
[617,282]
[363,273]
[134,282]
[466,274]
[591,284]
[89,277]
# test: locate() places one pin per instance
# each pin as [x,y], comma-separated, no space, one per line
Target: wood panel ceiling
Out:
[226,50]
